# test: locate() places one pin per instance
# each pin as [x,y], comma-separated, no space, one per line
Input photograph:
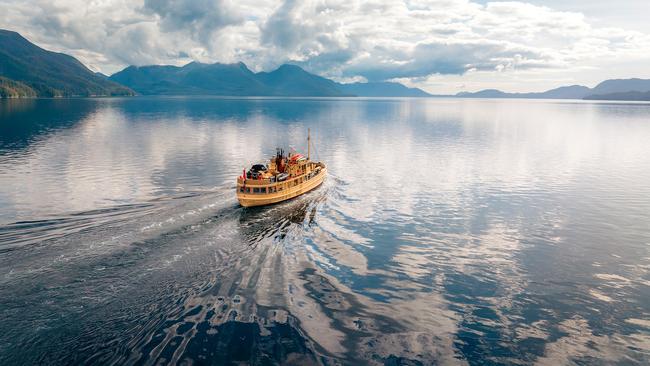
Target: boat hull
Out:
[252,200]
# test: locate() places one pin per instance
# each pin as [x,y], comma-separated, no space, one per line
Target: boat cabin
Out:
[283,178]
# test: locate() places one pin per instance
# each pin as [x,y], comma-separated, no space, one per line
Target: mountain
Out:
[382,89]
[617,89]
[192,79]
[237,80]
[629,96]
[225,79]
[487,93]
[28,70]
[621,86]
[291,80]
[565,92]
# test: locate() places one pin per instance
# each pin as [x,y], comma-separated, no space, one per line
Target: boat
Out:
[283,178]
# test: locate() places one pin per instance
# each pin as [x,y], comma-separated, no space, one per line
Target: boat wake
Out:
[183,278]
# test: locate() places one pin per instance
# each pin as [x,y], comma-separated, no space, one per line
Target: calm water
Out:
[448,232]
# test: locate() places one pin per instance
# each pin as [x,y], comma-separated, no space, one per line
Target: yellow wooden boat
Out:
[285,177]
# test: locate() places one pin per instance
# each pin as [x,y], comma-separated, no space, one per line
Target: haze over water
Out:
[448,231]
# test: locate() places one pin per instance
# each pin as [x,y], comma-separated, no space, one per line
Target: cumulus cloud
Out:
[451,58]
[411,40]
[199,17]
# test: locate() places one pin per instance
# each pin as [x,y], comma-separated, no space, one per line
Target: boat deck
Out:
[258,192]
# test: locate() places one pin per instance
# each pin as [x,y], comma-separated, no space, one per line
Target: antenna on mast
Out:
[308,143]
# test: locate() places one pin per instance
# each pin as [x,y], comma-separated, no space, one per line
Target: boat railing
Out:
[268,181]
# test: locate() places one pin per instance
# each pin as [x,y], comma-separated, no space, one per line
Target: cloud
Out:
[305,33]
[414,39]
[284,29]
[139,43]
[344,39]
[451,58]
[198,17]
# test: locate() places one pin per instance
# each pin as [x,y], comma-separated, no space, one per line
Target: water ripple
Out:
[448,232]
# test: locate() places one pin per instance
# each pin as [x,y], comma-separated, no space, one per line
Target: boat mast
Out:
[308,143]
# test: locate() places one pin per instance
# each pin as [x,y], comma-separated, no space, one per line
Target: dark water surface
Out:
[447,232]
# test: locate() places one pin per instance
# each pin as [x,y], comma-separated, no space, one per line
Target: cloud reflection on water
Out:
[448,231]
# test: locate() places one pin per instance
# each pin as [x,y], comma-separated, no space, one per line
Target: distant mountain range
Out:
[629,96]
[238,80]
[616,89]
[225,79]
[27,70]
[382,89]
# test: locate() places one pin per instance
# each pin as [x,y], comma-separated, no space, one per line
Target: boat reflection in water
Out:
[262,222]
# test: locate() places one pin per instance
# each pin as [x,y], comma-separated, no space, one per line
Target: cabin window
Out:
[262,190]
[256,190]
[241,189]
[248,190]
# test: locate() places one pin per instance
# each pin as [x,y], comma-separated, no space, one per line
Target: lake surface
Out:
[452,232]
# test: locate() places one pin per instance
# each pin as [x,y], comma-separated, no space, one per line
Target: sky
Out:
[441,46]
